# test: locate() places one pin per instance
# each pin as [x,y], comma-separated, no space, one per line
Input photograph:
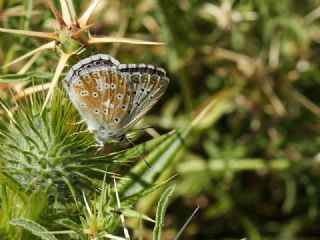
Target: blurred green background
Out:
[254,171]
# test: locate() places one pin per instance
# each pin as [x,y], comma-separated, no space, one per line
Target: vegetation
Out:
[236,133]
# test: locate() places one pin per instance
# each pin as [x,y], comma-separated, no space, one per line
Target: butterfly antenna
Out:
[139,129]
[150,130]
[138,151]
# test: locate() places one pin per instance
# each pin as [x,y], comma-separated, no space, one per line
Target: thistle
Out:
[70,39]
[50,152]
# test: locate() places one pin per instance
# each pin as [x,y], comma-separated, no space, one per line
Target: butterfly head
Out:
[102,135]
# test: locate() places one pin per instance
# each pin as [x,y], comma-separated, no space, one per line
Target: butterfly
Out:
[112,97]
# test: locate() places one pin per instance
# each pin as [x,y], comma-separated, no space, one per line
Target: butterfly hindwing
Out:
[148,85]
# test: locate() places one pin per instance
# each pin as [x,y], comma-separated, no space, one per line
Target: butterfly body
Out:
[111,97]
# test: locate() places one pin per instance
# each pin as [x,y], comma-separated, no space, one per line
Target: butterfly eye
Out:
[116,120]
[83,105]
[107,85]
[124,107]
[105,111]
[94,94]
[142,89]
[113,86]
[96,111]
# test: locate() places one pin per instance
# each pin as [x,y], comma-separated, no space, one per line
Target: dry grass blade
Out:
[18,11]
[31,90]
[312,107]
[29,64]
[49,45]
[112,237]
[185,225]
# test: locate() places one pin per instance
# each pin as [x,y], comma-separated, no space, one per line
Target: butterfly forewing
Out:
[111,97]
[85,84]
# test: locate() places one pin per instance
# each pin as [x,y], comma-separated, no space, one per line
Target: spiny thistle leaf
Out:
[35,228]
[51,151]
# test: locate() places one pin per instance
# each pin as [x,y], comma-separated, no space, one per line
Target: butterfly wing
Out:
[148,84]
[86,85]
[111,97]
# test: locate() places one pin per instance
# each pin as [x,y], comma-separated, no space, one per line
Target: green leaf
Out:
[37,203]
[163,154]
[33,227]
[161,210]
[24,77]
[68,223]
[140,194]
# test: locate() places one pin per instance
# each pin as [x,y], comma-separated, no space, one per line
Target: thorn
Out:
[53,36]
[82,21]
[78,34]
[96,40]
[125,230]
[49,45]
[56,14]
[66,16]
[63,59]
